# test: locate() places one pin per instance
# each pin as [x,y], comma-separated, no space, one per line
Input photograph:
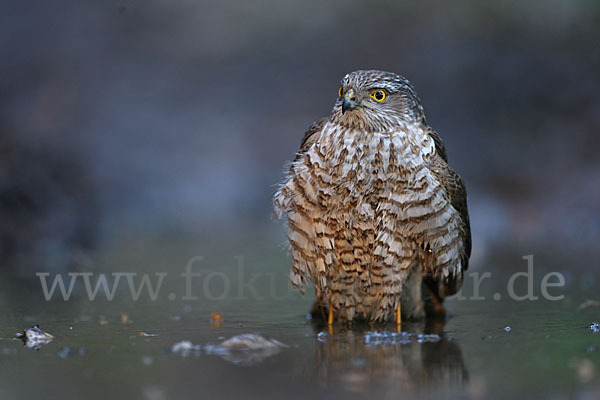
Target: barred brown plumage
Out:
[374,210]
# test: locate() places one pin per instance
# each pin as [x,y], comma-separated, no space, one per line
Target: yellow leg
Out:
[398,317]
[330,316]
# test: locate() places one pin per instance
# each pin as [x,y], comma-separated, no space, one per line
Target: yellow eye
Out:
[378,95]
[341,91]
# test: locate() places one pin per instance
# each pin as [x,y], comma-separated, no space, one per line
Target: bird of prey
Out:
[377,219]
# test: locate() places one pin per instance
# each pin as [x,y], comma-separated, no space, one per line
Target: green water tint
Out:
[123,348]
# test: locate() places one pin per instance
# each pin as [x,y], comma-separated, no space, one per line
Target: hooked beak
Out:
[350,101]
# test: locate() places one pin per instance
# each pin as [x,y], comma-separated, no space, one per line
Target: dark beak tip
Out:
[348,105]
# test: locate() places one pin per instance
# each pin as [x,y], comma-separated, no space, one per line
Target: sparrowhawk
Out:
[377,219]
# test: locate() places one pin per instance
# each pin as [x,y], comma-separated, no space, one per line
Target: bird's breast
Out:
[364,163]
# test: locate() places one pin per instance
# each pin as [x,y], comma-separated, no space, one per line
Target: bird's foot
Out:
[398,317]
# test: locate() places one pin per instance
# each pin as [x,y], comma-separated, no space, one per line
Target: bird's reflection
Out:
[422,356]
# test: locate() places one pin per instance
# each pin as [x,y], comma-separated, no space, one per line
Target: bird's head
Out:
[376,101]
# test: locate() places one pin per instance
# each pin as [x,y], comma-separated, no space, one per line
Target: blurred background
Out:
[138,134]
[127,120]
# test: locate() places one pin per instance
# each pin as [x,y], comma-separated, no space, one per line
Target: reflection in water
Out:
[420,358]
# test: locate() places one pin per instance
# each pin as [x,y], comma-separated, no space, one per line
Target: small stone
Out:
[34,337]
[251,342]
[184,348]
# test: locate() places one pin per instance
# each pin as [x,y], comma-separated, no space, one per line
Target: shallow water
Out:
[122,348]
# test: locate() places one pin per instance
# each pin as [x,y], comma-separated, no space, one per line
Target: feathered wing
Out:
[457,194]
[439,145]
[458,197]
[283,195]
[309,136]
[455,188]
[291,201]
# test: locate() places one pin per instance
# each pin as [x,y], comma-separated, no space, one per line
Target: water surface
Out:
[122,348]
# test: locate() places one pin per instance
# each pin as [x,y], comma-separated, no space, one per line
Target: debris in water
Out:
[589,303]
[595,327]
[184,348]
[183,345]
[246,349]
[251,341]
[125,318]
[507,328]
[146,334]
[322,336]
[215,316]
[216,319]
[34,337]
[389,338]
